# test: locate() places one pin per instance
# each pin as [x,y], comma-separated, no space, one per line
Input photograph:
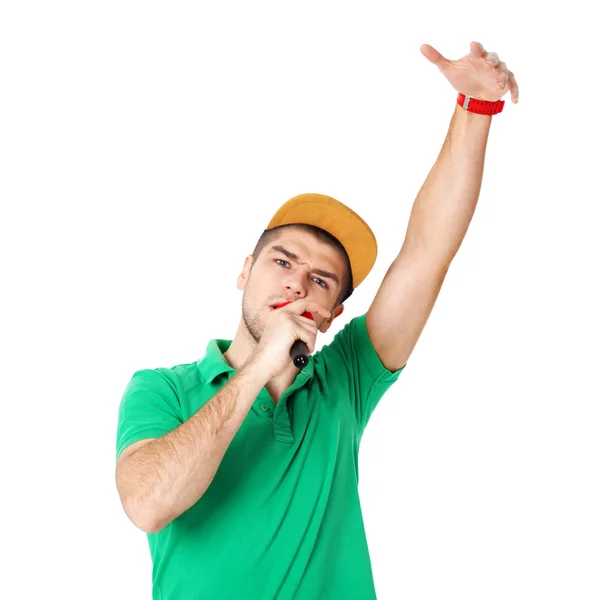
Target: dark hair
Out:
[322,236]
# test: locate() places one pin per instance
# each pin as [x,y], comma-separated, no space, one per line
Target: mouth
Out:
[274,306]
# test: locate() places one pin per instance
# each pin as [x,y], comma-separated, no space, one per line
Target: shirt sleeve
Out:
[150,408]
[352,360]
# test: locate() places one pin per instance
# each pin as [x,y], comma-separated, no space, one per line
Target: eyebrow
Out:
[295,258]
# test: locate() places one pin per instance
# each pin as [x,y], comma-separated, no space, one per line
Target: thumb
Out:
[432,55]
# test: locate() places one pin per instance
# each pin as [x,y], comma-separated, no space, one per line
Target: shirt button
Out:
[264,408]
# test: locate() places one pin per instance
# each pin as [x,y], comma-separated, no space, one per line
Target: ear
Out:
[336,312]
[242,279]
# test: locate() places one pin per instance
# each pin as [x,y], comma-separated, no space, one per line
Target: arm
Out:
[161,478]
[165,476]
[441,213]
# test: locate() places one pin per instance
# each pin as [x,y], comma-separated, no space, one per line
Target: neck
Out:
[241,350]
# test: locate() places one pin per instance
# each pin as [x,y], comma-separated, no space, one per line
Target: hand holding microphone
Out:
[288,332]
[299,351]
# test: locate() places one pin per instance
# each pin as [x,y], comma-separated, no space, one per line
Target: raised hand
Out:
[479,74]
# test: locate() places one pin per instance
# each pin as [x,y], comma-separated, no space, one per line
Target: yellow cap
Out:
[337,219]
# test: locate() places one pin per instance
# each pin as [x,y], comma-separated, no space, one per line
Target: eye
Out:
[285,264]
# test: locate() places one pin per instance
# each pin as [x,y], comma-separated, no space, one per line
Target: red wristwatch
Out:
[480,107]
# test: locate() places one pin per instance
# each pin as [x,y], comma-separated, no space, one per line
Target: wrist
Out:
[254,372]
[479,106]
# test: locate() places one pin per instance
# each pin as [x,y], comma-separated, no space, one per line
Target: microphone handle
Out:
[299,354]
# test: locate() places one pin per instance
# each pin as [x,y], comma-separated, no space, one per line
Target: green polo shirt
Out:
[281,519]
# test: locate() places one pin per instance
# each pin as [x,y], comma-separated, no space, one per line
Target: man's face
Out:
[292,266]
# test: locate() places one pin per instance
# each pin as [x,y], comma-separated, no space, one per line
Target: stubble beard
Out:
[252,321]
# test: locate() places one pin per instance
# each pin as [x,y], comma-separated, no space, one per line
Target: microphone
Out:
[299,353]
[299,350]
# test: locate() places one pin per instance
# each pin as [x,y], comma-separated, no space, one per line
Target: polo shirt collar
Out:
[214,363]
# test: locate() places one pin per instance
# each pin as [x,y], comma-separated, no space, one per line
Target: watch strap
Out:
[480,107]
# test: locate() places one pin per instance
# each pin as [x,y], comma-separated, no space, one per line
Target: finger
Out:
[305,323]
[305,329]
[308,337]
[502,75]
[305,319]
[492,58]
[513,87]
[477,49]
[432,55]
[300,306]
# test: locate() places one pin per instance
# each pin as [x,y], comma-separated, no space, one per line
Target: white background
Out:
[144,148]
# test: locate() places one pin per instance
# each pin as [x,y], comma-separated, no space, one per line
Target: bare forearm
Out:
[166,476]
[447,200]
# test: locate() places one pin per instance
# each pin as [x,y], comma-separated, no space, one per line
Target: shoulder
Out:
[351,351]
[171,381]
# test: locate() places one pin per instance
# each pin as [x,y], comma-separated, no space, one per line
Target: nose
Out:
[295,286]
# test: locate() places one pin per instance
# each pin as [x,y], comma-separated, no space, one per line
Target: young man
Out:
[242,467]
